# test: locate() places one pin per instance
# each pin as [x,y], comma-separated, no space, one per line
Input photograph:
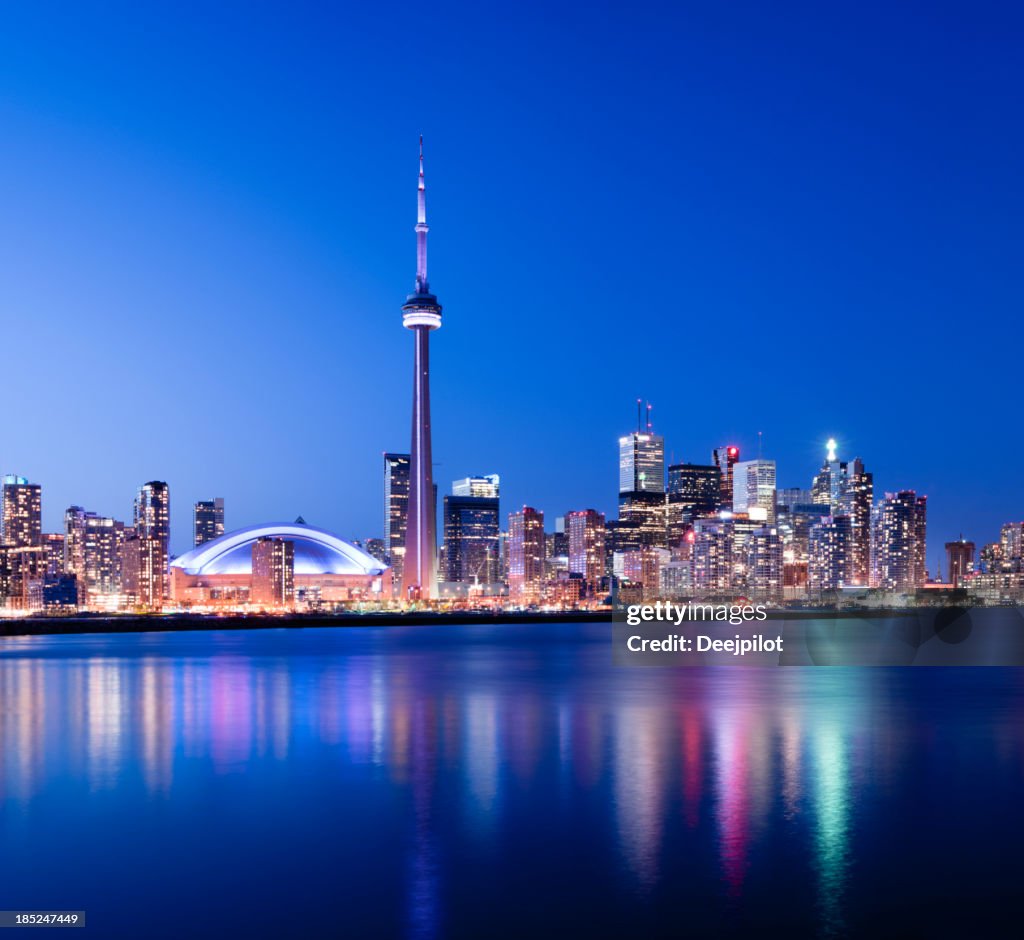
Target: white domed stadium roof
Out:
[317,551]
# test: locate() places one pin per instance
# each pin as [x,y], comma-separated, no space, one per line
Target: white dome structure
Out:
[317,551]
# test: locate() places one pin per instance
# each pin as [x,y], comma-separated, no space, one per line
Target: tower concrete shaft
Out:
[421,313]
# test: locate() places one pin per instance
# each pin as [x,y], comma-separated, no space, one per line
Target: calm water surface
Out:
[498,782]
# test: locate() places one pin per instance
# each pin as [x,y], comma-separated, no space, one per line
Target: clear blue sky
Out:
[803,219]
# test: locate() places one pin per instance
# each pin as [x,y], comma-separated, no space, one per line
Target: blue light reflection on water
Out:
[429,782]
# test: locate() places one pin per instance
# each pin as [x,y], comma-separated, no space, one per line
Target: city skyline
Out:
[278,242]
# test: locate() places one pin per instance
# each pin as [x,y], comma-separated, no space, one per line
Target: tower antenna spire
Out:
[639,420]
[422,285]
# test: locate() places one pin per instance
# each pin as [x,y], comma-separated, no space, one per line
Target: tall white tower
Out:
[421,313]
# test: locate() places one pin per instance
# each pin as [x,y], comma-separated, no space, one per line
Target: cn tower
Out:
[421,313]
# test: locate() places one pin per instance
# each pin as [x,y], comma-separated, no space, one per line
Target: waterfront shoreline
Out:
[184,623]
[174,623]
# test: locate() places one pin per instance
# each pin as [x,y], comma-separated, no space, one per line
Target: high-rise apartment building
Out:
[642,567]
[586,545]
[712,557]
[1011,546]
[273,573]
[396,509]
[526,554]
[94,551]
[207,521]
[144,580]
[22,571]
[830,555]
[847,489]
[153,512]
[53,542]
[765,564]
[152,523]
[901,521]
[22,513]
[855,501]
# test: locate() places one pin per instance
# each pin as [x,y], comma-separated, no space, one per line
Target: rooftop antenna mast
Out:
[649,407]
[639,419]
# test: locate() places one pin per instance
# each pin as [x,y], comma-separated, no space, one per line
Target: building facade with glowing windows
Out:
[22,513]
[586,546]
[526,551]
[471,532]
[694,492]
[328,571]
[725,458]
[753,489]
[207,521]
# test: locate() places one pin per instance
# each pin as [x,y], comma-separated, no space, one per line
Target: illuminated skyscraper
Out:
[753,489]
[641,463]
[421,313]
[148,554]
[643,519]
[22,571]
[848,490]
[144,579]
[586,545]
[694,491]
[830,555]
[207,521]
[471,530]
[725,458]
[1011,546]
[855,501]
[396,512]
[273,573]
[827,484]
[94,550]
[526,554]
[153,512]
[712,557]
[901,522]
[22,513]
